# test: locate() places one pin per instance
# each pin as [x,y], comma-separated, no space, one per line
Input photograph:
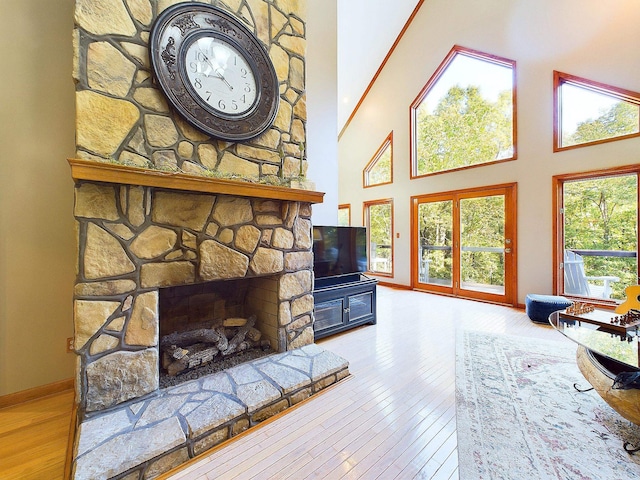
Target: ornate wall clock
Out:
[214,71]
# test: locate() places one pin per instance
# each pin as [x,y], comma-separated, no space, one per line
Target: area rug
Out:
[519,417]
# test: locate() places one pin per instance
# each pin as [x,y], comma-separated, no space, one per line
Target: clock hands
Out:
[221,76]
[215,70]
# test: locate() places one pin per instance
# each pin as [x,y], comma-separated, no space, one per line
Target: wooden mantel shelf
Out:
[113,173]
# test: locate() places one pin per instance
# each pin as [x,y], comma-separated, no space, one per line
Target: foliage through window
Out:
[588,112]
[379,170]
[379,222]
[465,114]
[599,232]
[344,215]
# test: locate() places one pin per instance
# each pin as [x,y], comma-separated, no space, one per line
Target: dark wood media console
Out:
[343,302]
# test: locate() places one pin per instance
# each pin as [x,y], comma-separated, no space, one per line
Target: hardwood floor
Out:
[33,438]
[393,418]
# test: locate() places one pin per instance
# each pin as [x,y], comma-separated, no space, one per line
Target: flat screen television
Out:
[339,250]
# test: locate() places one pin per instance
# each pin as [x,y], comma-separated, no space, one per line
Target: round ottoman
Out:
[539,307]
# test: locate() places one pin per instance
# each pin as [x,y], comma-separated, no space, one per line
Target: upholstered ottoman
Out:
[539,307]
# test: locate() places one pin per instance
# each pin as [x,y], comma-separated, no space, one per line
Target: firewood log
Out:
[234,322]
[177,366]
[238,338]
[254,334]
[184,339]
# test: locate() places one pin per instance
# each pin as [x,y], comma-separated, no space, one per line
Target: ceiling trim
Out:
[382,65]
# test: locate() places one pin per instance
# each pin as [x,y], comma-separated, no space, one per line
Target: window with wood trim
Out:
[589,113]
[465,114]
[344,215]
[379,170]
[596,248]
[378,218]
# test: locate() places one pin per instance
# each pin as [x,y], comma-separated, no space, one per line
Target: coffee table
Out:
[602,354]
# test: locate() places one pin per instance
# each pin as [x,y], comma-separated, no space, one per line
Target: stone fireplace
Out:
[159,205]
[135,240]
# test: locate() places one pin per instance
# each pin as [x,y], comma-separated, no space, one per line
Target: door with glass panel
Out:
[464,243]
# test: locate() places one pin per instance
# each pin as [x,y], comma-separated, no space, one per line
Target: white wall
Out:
[37,239]
[588,38]
[367,30]
[322,113]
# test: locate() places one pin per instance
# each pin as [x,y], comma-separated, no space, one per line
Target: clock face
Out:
[220,75]
[214,71]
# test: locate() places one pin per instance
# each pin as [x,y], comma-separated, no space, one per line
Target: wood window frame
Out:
[388,143]
[346,206]
[510,191]
[487,57]
[366,223]
[621,94]
[558,228]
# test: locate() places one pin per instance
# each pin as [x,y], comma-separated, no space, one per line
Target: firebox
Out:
[205,328]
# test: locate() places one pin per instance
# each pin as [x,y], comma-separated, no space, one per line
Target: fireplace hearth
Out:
[202,260]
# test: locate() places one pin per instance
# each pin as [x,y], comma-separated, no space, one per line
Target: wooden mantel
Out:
[122,174]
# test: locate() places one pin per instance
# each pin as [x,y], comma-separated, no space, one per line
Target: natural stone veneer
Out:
[121,115]
[151,436]
[134,240]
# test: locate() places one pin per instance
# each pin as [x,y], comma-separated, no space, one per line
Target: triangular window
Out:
[379,170]
[589,112]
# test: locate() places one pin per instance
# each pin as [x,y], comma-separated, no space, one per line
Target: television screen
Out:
[339,250]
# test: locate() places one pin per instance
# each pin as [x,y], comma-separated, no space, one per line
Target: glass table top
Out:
[622,347]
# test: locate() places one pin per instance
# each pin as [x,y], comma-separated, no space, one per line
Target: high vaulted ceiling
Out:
[367,29]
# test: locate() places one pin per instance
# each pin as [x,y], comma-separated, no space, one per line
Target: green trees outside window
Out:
[465,114]
[379,223]
[600,215]
[588,112]
[379,170]
[344,215]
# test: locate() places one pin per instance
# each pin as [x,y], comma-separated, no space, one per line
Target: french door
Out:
[464,243]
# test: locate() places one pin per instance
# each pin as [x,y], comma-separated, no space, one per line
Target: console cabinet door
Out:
[329,314]
[360,306]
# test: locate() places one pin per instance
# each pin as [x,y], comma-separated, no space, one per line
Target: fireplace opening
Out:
[209,327]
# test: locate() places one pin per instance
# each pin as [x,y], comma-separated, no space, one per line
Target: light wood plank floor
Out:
[394,418]
[33,438]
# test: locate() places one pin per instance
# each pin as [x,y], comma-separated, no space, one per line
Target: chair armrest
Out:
[605,278]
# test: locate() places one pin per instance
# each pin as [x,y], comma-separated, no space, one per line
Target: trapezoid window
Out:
[588,113]
[379,170]
[465,114]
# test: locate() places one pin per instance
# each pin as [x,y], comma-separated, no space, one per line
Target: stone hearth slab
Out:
[155,434]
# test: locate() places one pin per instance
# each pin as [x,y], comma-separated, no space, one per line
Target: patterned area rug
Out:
[519,417]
